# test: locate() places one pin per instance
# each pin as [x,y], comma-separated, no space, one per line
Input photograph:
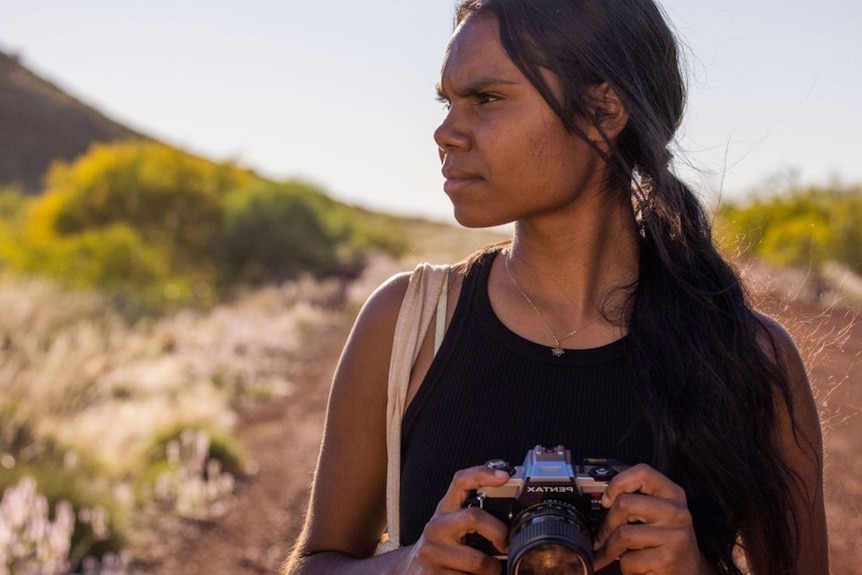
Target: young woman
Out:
[609,325]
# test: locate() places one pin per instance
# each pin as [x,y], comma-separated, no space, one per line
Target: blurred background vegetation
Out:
[806,227]
[158,229]
[108,407]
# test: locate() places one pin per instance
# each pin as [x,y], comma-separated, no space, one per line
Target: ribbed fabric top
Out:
[490,393]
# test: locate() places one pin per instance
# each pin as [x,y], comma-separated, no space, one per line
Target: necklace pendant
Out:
[557,351]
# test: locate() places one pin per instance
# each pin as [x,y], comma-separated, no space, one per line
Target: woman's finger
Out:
[637,508]
[634,508]
[468,480]
[652,549]
[441,544]
[456,526]
[642,479]
[442,548]
[447,557]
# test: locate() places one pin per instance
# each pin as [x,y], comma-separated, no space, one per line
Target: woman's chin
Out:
[477,219]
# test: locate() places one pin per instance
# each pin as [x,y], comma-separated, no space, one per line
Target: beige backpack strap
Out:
[421,301]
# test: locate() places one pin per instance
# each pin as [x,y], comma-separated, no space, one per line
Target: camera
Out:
[552,508]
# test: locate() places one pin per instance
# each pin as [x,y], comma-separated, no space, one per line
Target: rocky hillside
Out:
[40,123]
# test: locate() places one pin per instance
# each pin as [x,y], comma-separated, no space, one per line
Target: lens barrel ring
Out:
[550,537]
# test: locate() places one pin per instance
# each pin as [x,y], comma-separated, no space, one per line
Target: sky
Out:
[341,92]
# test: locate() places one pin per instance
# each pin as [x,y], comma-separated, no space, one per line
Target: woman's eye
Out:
[445,101]
[486,98]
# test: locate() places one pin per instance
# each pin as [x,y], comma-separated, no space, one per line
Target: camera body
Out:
[547,501]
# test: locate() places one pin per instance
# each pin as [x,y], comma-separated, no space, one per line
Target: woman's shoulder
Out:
[380,311]
[778,344]
[385,302]
[387,298]
[800,443]
[776,341]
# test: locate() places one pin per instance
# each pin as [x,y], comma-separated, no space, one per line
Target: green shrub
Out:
[170,198]
[160,228]
[192,472]
[113,257]
[803,227]
[375,231]
[13,205]
[13,215]
[278,231]
[135,219]
[221,446]
[798,241]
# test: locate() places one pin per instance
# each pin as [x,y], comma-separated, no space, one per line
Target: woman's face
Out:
[506,155]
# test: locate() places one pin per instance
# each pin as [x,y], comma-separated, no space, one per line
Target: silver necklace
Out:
[557,349]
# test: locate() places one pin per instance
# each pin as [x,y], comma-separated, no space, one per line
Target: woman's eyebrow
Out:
[475,86]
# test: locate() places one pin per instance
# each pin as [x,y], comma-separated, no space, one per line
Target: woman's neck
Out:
[580,262]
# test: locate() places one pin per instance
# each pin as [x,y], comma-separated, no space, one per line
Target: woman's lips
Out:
[457,180]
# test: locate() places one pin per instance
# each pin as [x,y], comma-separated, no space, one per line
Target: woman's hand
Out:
[648,526]
[441,547]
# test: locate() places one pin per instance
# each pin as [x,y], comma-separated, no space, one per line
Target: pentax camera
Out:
[553,510]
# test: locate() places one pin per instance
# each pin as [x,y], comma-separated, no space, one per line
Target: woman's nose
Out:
[451,135]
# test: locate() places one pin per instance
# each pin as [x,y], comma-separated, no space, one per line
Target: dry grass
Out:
[78,383]
[73,363]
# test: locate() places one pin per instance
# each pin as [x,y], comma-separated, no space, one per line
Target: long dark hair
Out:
[710,387]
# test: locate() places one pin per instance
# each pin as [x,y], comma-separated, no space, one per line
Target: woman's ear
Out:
[608,115]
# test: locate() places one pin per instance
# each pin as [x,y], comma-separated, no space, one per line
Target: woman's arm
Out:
[347,509]
[801,444]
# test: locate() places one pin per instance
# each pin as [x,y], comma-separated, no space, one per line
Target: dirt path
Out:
[282,441]
[282,438]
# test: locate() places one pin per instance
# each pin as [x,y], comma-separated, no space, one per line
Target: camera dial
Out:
[602,473]
[500,465]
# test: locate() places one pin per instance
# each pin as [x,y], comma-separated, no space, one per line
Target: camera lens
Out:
[550,538]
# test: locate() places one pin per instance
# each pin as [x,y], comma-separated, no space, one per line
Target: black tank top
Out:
[491,394]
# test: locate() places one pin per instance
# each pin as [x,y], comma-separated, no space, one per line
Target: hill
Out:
[40,123]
